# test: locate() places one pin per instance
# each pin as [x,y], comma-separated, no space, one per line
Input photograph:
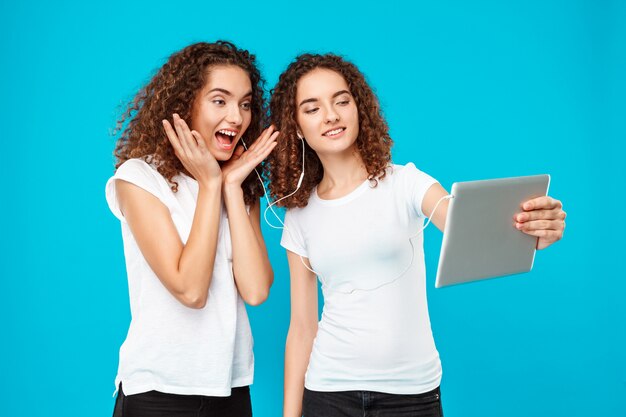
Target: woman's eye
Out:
[246,106]
[219,102]
[311,111]
[343,103]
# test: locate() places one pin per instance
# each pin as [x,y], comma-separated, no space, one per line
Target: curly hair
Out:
[173,89]
[285,163]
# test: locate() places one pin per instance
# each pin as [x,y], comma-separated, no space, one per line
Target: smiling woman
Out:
[332,100]
[187,200]
[352,222]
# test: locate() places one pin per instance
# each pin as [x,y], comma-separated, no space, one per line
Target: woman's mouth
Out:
[334,133]
[225,138]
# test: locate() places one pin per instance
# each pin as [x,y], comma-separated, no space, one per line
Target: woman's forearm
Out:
[184,269]
[297,353]
[251,266]
[195,267]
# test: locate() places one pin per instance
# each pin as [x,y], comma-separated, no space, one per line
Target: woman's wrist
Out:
[211,184]
[232,190]
[231,181]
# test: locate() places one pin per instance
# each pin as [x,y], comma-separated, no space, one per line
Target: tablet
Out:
[480,239]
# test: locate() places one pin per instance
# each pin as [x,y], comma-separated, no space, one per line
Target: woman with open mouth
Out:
[187,197]
[351,220]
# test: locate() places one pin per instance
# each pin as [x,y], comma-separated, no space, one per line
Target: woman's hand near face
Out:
[251,267]
[544,218]
[190,148]
[241,164]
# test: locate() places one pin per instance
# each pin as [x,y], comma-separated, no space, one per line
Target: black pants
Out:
[159,404]
[371,404]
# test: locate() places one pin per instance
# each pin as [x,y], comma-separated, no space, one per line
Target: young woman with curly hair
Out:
[188,201]
[353,223]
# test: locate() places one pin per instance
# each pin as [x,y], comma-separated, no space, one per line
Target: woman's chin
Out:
[221,155]
[336,148]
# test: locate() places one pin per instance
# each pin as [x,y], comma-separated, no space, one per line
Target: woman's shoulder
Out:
[408,176]
[394,168]
[136,165]
[141,169]
[405,170]
[144,174]
[395,173]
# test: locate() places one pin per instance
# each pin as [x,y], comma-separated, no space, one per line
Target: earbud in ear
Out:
[299,135]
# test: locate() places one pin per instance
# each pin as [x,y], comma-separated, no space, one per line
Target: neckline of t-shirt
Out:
[345,199]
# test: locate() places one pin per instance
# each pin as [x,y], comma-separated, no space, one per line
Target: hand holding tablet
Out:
[480,237]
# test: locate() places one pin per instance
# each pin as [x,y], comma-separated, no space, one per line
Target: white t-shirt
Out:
[170,347]
[374,333]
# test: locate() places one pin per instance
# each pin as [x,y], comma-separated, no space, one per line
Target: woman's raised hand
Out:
[241,164]
[191,150]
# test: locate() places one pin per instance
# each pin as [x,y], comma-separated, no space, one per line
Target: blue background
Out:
[471,90]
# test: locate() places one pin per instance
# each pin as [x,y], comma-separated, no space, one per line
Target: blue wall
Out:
[471,90]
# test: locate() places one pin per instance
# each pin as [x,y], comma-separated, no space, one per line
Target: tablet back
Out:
[480,240]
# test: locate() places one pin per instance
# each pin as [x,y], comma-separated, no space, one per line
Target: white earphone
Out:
[267,197]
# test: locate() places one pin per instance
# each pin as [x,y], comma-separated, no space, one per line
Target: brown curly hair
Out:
[285,163]
[173,89]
